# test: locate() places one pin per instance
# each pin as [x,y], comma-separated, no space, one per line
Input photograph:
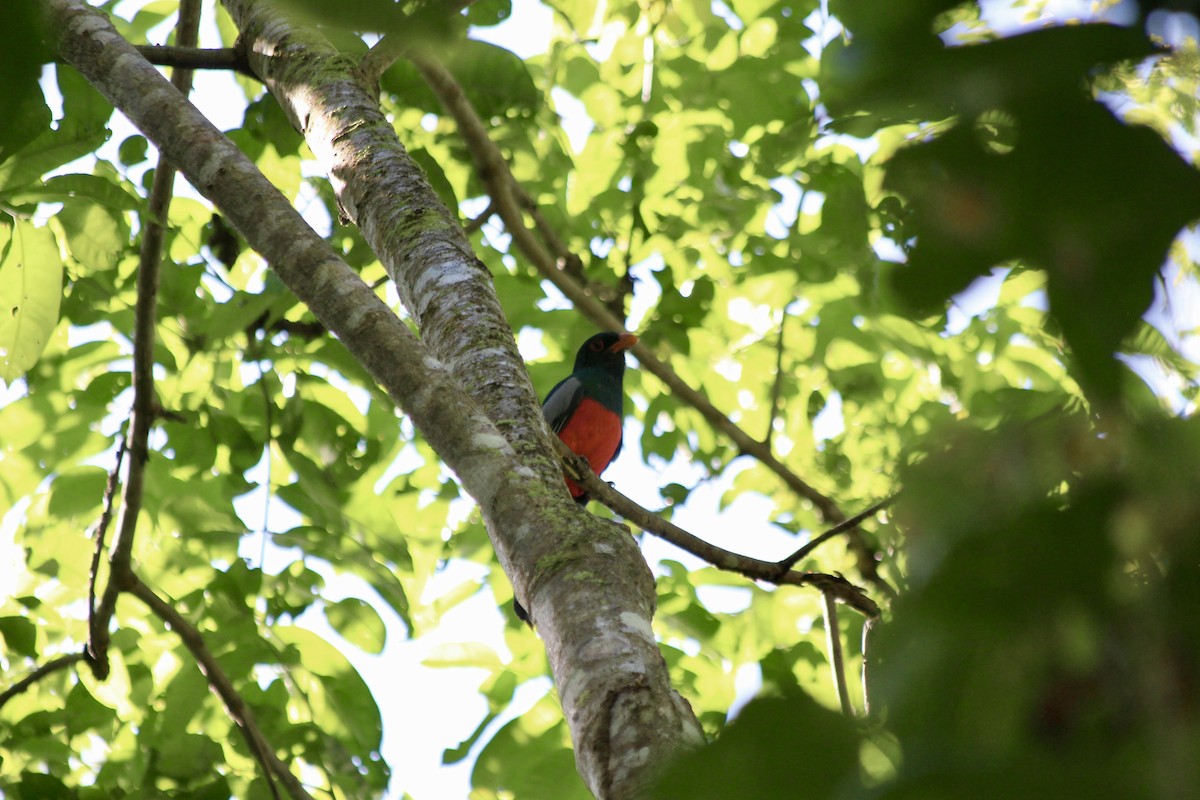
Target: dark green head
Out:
[605,351]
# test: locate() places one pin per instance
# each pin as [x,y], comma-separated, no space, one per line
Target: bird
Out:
[586,410]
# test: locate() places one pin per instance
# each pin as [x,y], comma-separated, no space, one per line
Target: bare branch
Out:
[867,637]
[219,682]
[49,668]
[145,318]
[300,329]
[508,200]
[391,47]
[841,527]
[380,58]
[110,492]
[837,660]
[777,386]
[758,569]
[481,220]
[192,57]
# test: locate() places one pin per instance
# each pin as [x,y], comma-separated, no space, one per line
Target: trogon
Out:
[587,408]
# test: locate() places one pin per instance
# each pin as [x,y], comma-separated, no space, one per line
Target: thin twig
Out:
[220,683]
[497,178]
[269,425]
[478,222]
[867,636]
[380,58]
[841,527]
[551,256]
[306,330]
[49,668]
[719,557]
[624,288]
[837,660]
[192,58]
[110,492]
[777,386]
[145,318]
[391,47]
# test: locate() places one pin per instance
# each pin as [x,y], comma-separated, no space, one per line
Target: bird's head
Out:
[605,350]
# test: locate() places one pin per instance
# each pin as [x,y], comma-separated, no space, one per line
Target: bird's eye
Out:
[596,346]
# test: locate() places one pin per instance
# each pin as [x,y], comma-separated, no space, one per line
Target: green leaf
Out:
[775,730]
[437,178]
[454,755]
[62,188]
[30,293]
[463,654]
[133,150]
[22,52]
[341,703]
[78,492]
[489,12]
[85,712]
[183,699]
[20,635]
[495,80]
[186,756]
[43,787]
[358,623]
[84,109]
[216,789]
[527,757]
[49,150]
[1099,218]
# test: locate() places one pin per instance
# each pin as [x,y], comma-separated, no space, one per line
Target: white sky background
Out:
[426,710]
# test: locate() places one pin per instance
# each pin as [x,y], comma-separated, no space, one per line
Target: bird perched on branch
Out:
[587,408]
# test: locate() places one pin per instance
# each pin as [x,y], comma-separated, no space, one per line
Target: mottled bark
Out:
[463,384]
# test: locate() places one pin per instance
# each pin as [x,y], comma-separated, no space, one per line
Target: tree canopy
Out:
[928,267]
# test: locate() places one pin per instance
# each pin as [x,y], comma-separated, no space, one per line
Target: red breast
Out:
[593,432]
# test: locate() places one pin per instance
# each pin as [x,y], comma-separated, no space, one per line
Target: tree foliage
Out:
[788,213]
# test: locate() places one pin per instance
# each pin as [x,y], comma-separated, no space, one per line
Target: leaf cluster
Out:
[787,225]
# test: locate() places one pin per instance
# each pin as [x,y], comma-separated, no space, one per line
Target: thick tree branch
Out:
[238,711]
[719,557]
[581,579]
[507,197]
[539,534]
[49,668]
[145,318]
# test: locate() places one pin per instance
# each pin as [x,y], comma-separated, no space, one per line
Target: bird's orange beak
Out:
[624,342]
